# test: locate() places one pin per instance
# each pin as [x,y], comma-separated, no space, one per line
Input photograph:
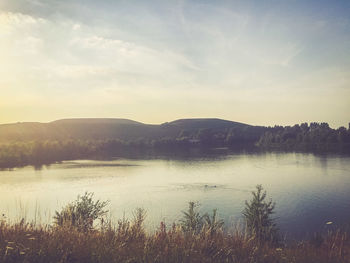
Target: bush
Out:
[81,213]
[193,222]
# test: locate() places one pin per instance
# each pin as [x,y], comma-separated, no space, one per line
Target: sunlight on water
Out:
[309,190]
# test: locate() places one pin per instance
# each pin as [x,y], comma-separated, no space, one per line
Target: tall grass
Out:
[75,237]
[127,241]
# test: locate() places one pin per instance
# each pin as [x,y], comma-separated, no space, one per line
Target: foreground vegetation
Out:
[81,235]
[128,242]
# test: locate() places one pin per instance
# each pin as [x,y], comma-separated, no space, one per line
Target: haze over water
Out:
[309,190]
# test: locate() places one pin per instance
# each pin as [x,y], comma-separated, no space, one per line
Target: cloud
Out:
[76,26]
[10,20]
[183,57]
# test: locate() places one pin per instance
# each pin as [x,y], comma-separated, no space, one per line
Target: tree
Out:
[257,214]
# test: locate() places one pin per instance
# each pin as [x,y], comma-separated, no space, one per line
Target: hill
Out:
[108,128]
[205,123]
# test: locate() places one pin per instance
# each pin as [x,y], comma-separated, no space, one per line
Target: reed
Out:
[75,236]
[127,241]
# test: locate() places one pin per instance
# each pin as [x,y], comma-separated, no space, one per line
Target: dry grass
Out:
[127,241]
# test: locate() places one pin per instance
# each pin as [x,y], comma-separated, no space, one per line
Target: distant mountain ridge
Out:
[97,120]
[108,128]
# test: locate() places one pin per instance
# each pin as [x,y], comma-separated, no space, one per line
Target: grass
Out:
[76,236]
[127,241]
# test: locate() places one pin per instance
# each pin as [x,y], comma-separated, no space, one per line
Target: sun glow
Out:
[194,60]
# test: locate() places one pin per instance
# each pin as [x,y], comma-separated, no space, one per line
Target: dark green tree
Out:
[258,217]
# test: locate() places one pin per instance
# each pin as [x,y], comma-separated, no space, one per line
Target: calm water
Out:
[309,190]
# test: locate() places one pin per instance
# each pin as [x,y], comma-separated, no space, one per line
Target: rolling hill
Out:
[109,128]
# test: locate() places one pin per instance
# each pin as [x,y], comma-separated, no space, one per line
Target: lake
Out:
[309,190]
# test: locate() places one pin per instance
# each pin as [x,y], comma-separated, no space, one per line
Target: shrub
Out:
[193,222]
[81,213]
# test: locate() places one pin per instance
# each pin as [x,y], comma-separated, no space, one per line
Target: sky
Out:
[258,62]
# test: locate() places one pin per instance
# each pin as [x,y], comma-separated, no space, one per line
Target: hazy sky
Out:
[258,62]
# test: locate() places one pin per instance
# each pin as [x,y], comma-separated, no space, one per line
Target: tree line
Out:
[317,137]
[313,137]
